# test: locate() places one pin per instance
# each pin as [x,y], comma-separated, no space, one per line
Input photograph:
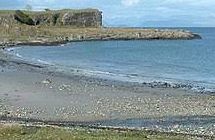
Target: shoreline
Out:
[110,80]
[29,91]
[53,43]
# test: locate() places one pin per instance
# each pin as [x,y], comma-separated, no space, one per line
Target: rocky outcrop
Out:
[82,19]
[6,19]
[49,19]
[74,18]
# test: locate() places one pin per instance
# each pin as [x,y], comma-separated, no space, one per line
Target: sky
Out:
[136,13]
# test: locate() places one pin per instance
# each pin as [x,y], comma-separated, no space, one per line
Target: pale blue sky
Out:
[148,13]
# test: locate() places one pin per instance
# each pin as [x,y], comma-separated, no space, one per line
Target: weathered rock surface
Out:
[6,20]
[82,19]
[74,18]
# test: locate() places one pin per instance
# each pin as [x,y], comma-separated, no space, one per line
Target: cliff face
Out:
[73,18]
[85,19]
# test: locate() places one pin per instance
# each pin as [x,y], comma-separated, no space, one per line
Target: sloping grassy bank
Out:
[19,132]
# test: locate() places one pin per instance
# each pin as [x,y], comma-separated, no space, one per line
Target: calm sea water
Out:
[174,61]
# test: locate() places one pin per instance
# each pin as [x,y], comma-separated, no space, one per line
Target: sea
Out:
[185,62]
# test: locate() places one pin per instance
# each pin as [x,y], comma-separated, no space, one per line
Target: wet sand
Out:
[35,92]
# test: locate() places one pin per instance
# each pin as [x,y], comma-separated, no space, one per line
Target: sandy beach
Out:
[30,91]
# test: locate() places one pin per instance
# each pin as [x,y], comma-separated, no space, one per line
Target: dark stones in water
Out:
[167,85]
[158,84]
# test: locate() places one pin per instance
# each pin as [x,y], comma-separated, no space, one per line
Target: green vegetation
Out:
[6,12]
[55,17]
[23,18]
[15,132]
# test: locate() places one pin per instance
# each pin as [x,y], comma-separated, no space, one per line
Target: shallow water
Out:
[174,61]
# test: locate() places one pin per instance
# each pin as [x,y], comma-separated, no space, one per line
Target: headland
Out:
[61,26]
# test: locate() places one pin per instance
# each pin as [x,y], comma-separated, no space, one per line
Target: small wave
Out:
[43,62]
[145,81]
[152,83]
[10,49]
[96,72]
[18,55]
[162,82]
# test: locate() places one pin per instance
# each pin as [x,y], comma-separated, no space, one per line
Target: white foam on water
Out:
[44,62]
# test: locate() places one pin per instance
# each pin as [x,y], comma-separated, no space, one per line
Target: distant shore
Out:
[52,35]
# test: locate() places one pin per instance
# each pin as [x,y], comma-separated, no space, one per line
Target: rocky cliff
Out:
[67,17]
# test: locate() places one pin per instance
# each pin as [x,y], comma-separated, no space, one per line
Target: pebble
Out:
[47,81]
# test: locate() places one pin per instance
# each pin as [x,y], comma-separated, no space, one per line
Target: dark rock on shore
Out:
[23,18]
[196,36]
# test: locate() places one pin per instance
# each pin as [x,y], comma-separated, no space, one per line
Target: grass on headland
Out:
[16,132]
[25,33]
